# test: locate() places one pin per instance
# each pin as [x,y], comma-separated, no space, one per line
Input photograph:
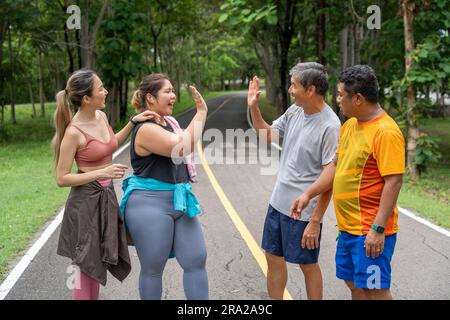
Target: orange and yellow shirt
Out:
[367,152]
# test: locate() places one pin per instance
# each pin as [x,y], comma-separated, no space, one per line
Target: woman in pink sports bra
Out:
[92,232]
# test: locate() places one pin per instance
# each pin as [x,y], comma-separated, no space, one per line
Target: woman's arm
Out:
[123,134]
[64,177]
[155,139]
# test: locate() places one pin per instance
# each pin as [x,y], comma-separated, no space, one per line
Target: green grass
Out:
[430,195]
[29,194]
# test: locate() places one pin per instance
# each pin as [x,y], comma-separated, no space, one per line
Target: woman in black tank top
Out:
[156,166]
[157,227]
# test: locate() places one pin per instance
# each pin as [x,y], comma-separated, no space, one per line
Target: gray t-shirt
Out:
[309,143]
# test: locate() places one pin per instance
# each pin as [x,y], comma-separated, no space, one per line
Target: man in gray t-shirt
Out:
[310,132]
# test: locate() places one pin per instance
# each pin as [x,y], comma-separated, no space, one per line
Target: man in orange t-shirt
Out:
[370,163]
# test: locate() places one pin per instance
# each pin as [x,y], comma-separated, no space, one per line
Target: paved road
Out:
[421,267]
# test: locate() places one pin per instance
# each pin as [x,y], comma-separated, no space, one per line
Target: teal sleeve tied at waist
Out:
[184,199]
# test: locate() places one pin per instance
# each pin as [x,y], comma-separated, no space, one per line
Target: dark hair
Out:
[360,79]
[79,84]
[311,74]
[151,83]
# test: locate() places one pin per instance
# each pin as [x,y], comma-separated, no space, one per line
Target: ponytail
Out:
[62,118]
[136,101]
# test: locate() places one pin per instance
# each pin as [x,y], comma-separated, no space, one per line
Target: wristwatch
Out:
[132,121]
[378,229]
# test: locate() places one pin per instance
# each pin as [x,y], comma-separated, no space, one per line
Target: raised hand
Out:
[199,101]
[253,92]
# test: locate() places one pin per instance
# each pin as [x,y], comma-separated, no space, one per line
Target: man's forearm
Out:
[261,126]
[321,206]
[323,183]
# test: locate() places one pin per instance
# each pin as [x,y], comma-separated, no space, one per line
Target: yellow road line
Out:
[219,107]
[239,224]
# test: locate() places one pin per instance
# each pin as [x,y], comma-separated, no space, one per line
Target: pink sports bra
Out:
[96,152]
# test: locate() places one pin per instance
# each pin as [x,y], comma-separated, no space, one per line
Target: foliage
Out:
[426,152]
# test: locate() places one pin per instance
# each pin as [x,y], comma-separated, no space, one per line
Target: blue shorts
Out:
[282,237]
[352,264]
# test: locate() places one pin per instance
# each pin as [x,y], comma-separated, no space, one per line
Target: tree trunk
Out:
[78,40]
[124,99]
[440,101]
[41,85]
[351,47]
[13,81]
[85,52]
[359,37]
[264,54]
[343,48]
[302,38]
[114,107]
[67,39]
[30,91]
[177,77]
[198,70]
[155,52]
[3,116]
[3,30]
[3,27]
[69,50]
[189,75]
[88,39]
[408,7]
[285,33]
[155,35]
[320,31]
[178,81]
[120,94]
[273,53]
[272,81]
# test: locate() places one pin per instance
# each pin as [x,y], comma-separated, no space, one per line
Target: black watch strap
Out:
[132,121]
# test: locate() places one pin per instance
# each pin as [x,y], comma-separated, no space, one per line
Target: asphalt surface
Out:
[421,267]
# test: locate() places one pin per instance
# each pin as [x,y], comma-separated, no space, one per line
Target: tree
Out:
[271,28]
[426,69]
[320,31]
[121,58]
[185,34]
[407,8]
[15,15]
[89,37]
[68,43]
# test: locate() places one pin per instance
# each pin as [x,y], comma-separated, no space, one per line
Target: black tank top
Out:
[156,166]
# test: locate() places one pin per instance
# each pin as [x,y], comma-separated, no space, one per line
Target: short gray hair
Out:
[311,73]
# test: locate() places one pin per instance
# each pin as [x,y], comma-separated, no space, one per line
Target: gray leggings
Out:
[157,229]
